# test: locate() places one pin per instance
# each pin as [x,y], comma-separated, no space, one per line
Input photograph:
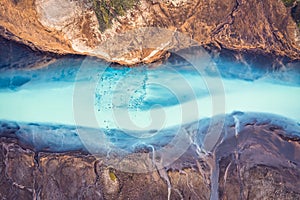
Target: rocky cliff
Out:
[65,26]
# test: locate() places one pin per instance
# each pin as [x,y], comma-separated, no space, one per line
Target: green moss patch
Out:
[288,3]
[112,176]
[107,10]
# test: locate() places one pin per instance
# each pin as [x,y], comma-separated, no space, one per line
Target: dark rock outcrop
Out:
[261,162]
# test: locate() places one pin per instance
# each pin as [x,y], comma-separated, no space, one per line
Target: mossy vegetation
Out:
[288,3]
[107,10]
[112,176]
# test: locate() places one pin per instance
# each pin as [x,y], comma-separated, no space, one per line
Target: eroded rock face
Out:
[19,22]
[261,162]
[72,27]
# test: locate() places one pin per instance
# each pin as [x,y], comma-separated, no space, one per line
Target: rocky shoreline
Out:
[237,25]
[254,156]
[261,162]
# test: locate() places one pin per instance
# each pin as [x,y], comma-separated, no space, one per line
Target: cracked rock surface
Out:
[261,162]
[239,25]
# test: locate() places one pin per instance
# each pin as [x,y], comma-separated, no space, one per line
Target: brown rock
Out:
[19,22]
[256,26]
[17,172]
[260,163]
[66,177]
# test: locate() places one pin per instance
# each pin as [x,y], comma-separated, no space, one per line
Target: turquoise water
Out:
[77,103]
[85,104]
[142,113]
[142,98]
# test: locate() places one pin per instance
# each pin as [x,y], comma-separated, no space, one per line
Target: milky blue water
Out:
[134,106]
[88,105]
[172,94]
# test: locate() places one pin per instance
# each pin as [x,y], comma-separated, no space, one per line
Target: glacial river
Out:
[141,104]
[143,98]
